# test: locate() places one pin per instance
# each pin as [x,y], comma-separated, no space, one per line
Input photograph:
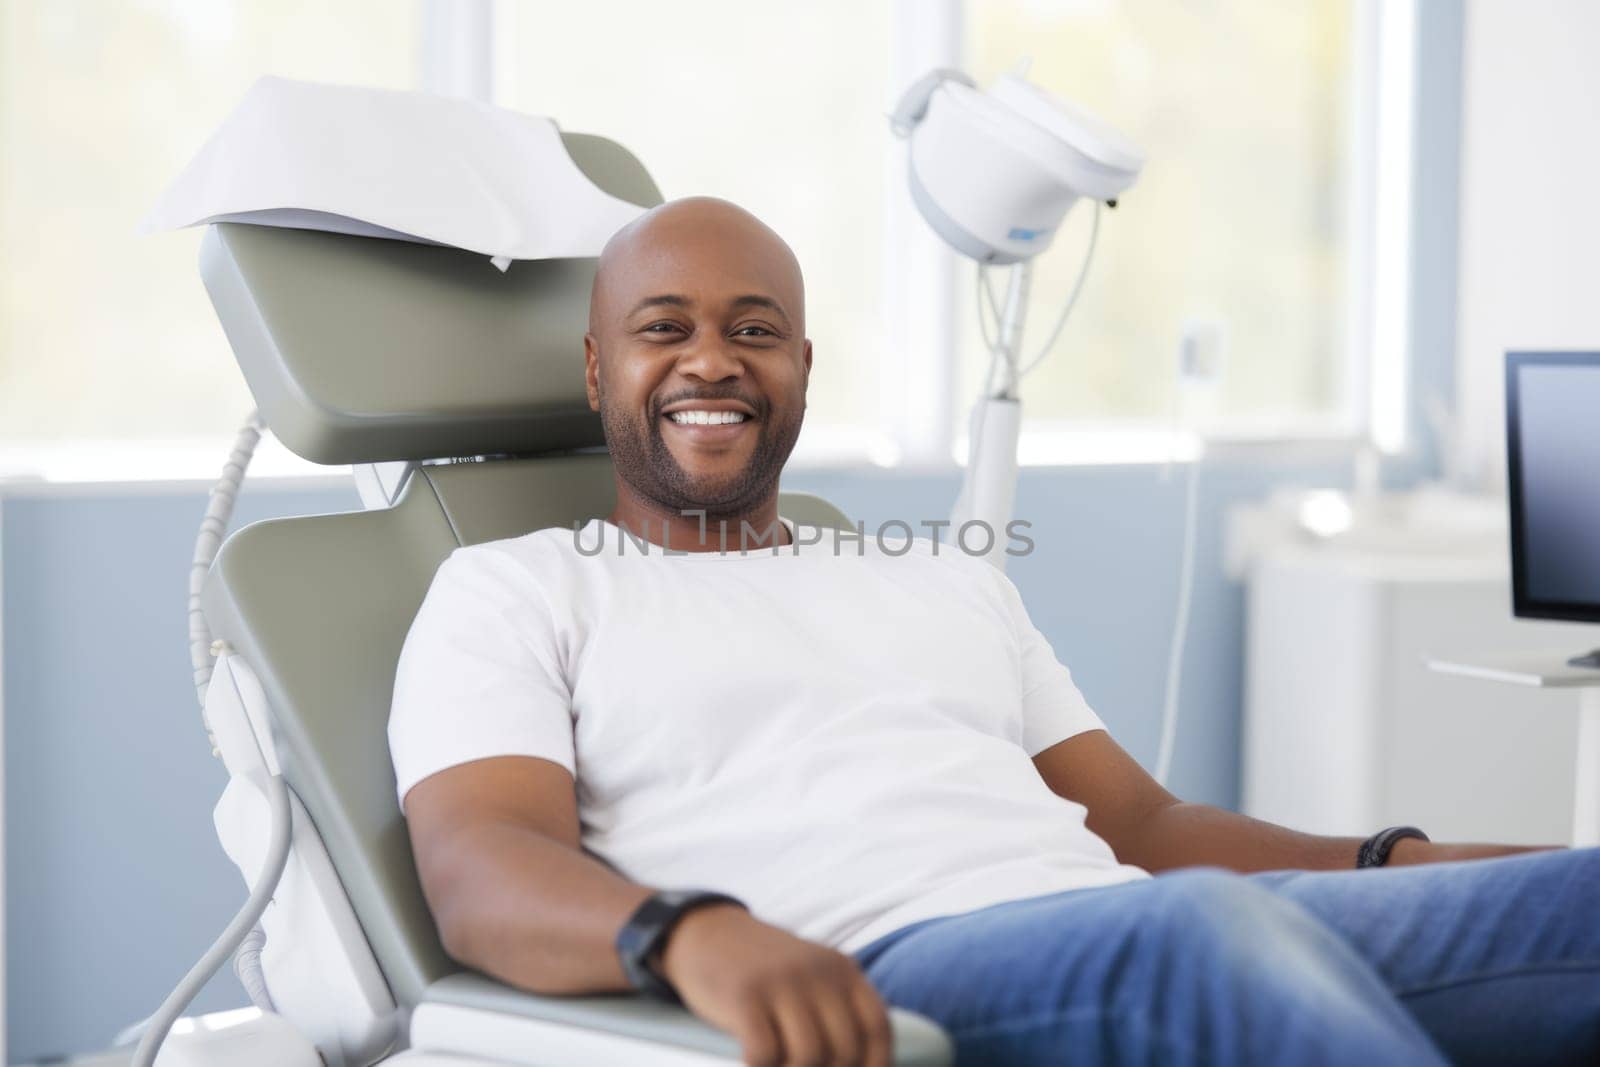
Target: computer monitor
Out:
[1553,463]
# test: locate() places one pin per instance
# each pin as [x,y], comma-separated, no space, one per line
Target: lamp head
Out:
[995,172]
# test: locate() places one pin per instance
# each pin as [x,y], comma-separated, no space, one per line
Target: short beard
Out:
[642,459]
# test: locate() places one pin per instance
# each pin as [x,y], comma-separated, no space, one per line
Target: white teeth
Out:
[706,418]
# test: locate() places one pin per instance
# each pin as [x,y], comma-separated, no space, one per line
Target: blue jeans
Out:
[1489,961]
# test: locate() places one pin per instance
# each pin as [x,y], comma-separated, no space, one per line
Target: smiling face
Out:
[696,358]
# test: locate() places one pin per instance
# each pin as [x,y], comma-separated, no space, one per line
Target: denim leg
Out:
[1499,960]
[1194,967]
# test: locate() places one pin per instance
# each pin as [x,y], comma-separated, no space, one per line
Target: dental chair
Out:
[456,392]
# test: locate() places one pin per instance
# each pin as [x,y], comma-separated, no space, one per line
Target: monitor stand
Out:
[1588,659]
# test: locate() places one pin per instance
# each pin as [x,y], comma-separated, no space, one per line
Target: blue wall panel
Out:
[115,882]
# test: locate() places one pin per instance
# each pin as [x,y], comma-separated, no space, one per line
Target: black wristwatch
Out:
[1374,851]
[646,931]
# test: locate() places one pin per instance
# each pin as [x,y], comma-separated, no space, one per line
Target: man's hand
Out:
[786,1000]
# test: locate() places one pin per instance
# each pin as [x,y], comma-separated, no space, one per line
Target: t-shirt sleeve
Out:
[1052,707]
[479,674]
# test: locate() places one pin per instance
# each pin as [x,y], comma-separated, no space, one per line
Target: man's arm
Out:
[496,845]
[1149,827]
[514,895]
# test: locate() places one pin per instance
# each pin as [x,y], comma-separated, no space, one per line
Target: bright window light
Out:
[112,364]
[1241,217]
[1391,267]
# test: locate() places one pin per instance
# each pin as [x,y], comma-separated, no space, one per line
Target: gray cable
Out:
[155,1031]
[212,528]
[247,968]
[1180,629]
[987,301]
[1072,298]
[991,343]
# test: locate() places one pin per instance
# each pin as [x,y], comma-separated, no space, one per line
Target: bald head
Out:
[690,242]
[697,359]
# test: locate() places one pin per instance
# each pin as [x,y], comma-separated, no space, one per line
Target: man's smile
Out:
[707,433]
[707,422]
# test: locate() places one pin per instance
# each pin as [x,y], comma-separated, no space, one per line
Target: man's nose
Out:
[709,360]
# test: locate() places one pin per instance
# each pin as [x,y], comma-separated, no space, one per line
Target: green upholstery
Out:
[359,349]
[362,350]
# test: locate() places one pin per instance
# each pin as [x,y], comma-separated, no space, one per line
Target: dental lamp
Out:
[995,173]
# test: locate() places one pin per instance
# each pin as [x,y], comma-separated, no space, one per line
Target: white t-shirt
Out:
[838,736]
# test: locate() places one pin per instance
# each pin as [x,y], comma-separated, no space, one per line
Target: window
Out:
[104,335]
[1254,218]
[1238,224]
[777,107]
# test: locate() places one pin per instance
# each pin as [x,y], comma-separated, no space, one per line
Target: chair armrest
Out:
[469,1014]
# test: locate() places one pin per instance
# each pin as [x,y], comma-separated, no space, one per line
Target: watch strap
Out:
[647,930]
[1374,851]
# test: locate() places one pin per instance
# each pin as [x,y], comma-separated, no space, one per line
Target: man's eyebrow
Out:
[677,300]
[753,300]
[671,299]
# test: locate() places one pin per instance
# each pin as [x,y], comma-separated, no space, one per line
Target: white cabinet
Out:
[1346,730]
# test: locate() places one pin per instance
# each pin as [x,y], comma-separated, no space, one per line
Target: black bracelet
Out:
[1374,851]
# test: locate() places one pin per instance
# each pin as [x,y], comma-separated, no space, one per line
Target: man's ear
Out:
[807,380]
[591,370]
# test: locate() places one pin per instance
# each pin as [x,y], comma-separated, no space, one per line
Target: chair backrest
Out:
[363,350]
[320,606]
[359,349]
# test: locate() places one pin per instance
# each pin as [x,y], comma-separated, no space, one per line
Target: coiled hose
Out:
[244,934]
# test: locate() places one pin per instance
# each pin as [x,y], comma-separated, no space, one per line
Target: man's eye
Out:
[654,326]
[761,329]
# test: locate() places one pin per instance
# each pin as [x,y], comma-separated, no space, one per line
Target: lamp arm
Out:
[914,101]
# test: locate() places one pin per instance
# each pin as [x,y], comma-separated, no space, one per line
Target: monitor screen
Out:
[1553,463]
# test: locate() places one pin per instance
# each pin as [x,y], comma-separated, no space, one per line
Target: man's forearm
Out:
[1190,835]
[534,912]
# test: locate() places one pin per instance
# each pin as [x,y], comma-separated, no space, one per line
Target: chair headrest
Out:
[363,350]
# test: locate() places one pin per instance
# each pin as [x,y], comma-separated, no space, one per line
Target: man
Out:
[875,754]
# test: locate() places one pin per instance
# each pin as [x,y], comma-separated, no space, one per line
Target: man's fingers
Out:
[873,1016]
[758,1037]
[801,1035]
[836,1012]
